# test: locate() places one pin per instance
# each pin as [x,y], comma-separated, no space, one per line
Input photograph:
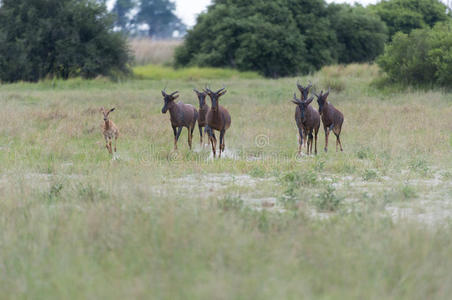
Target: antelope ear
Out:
[222,93]
[326,94]
[112,109]
[175,97]
[294,102]
[101,109]
[309,100]
[163,94]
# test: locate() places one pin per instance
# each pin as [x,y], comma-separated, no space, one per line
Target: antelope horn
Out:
[174,93]
[206,89]
[299,86]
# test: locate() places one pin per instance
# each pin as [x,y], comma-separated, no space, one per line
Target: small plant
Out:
[257,172]
[408,192]
[328,200]
[319,165]
[420,166]
[54,192]
[90,193]
[230,203]
[369,174]
[364,153]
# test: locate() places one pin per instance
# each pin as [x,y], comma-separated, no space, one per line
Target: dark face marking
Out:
[167,101]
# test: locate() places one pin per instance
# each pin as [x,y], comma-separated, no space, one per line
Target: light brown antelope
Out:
[218,118]
[109,130]
[308,121]
[332,119]
[203,109]
[181,115]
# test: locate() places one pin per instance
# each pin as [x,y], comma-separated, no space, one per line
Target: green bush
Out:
[406,15]
[58,38]
[281,37]
[360,34]
[422,58]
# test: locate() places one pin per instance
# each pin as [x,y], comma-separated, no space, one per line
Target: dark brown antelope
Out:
[203,109]
[308,121]
[304,95]
[109,130]
[218,118]
[332,119]
[181,115]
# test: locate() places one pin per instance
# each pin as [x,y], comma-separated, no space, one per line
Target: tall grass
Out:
[156,72]
[147,51]
[261,223]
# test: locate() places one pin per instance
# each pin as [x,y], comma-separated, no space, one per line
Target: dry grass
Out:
[147,51]
[76,223]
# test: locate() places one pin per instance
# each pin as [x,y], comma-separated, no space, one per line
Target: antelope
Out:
[332,118]
[218,118]
[304,95]
[203,109]
[308,120]
[109,130]
[181,115]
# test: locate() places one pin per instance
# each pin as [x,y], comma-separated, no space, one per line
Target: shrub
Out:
[406,15]
[281,37]
[423,57]
[61,38]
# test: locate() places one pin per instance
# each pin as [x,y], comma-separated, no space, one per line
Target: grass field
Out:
[147,51]
[372,222]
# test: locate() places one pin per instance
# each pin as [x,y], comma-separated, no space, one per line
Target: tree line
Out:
[288,37]
[411,40]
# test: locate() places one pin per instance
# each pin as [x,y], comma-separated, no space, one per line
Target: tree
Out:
[61,38]
[360,34]
[159,17]
[422,57]
[281,37]
[122,10]
[248,35]
[312,18]
[406,15]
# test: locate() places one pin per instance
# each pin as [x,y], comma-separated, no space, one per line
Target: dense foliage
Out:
[281,37]
[61,38]
[422,57]
[406,15]
[360,34]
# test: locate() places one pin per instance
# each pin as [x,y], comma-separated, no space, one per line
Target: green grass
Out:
[158,72]
[261,223]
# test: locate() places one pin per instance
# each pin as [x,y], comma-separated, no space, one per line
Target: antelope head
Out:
[304,91]
[303,105]
[106,113]
[215,96]
[201,97]
[321,99]
[168,100]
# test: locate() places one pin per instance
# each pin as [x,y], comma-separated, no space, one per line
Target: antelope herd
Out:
[218,118]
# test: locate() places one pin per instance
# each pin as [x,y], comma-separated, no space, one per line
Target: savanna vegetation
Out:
[289,37]
[59,38]
[262,222]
